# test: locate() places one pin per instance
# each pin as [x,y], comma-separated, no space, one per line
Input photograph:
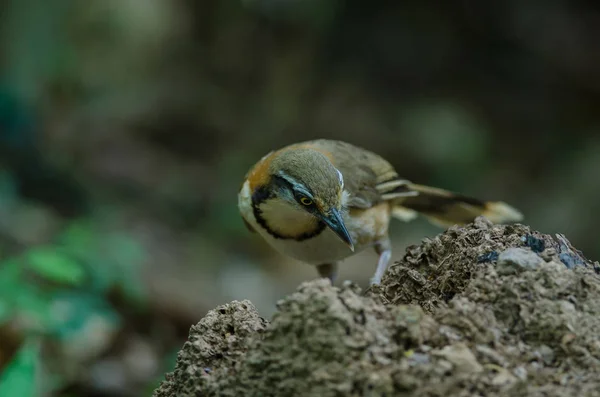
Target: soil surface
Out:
[490,310]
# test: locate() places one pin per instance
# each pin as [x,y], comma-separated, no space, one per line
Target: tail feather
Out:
[446,208]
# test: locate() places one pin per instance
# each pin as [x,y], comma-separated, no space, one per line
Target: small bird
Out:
[322,201]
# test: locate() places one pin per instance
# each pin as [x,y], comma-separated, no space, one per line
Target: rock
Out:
[546,354]
[461,357]
[440,324]
[490,355]
[503,377]
[518,259]
[215,343]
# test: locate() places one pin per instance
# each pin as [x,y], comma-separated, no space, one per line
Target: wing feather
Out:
[369,178]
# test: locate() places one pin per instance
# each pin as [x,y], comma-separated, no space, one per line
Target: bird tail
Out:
[445,208]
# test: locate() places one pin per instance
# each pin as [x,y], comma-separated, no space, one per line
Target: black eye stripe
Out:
[298,194]
[281,181]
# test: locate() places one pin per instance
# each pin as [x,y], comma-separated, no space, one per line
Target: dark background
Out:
[126,128]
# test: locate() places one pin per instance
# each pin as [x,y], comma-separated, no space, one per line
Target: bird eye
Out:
[306,201]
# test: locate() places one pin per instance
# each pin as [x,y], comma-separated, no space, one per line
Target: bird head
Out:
[305,188]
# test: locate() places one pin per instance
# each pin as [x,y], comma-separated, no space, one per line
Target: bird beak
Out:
[334,221]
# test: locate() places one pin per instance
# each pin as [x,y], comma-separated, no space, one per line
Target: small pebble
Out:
[488,257]
[503,377]
[419,359]
[521,373]
[461,357]
[491,354]
[570,260]
[518,259]
[537,245]
[547,354]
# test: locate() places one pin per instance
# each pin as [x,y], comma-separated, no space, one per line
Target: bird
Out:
[322,201]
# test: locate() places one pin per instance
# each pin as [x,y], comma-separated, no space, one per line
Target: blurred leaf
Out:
[75,312]
[124,256]
[79,237]
[14,294]
[10,272]
[111,259]
[32,306]
[102,275]
[124,250]
[56,266]
[19,377]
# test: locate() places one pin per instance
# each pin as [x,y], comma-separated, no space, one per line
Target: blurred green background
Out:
[126,127]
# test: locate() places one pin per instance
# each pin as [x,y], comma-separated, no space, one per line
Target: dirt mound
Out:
[481,310]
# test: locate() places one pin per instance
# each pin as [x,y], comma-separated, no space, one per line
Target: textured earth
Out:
[491,310]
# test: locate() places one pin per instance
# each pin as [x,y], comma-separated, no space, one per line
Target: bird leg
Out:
[328,270]
[384,250]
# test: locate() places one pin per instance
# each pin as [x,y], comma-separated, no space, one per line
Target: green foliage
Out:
[60,292]
[21,298]
[84,261]
[56,266]
[19,377]
[78,312]
[112,260]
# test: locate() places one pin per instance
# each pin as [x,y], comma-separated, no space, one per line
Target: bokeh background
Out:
[126,127]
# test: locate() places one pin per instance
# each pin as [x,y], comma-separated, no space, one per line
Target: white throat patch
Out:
[284,219]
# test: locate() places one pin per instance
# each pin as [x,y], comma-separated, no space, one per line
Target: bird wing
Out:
[368,177]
